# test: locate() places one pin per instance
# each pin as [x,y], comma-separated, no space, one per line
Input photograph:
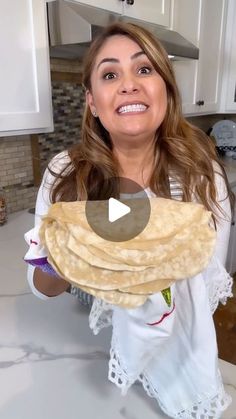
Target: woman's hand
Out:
[49,285]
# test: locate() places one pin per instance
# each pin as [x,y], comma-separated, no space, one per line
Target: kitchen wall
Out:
[24,158]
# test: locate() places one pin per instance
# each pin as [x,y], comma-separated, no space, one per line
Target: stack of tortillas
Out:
[177,243]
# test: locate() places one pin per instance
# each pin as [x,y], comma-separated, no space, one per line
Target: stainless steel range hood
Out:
[72,27]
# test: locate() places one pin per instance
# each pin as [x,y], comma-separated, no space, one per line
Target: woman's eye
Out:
[109,76]
[145,70]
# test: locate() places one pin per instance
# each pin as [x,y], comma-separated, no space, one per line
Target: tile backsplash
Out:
[16,163]
[16,174]
[68,104]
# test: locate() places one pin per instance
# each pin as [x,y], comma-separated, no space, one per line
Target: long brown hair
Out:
[184,151]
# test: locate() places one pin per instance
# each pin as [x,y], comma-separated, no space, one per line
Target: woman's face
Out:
[129,96]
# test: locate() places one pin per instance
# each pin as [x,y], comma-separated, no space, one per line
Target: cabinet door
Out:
[211,53]
[228,92]
[25,101]
[200,81]
[112,5]
[157,11]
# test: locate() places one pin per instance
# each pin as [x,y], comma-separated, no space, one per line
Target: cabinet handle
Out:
[131,2]
[200,102]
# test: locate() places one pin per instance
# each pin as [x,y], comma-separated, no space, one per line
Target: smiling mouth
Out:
[136,107]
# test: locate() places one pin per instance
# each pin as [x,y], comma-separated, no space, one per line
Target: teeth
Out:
[137,107]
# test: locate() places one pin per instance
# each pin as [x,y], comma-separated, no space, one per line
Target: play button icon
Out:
[116,210]
[119,210]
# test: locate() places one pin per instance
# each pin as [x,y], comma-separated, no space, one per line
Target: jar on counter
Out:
[3,207]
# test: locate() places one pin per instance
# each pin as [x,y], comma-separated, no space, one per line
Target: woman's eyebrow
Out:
[116,60]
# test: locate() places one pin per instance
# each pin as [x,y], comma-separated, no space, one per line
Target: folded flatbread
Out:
[177,243]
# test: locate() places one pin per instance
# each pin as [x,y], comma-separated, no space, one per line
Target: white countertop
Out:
[51,365]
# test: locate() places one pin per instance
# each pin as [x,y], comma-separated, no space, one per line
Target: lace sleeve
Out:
[41,209]
[224,217]
[217,279]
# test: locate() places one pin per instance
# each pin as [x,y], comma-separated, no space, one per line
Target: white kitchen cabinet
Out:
[156,11]
[228,92]
[25,100]
[203,23]
[231,257]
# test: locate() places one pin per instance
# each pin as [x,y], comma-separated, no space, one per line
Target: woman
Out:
[133,128]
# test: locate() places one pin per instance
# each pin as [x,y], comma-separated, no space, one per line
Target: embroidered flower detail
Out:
[33,242]
[166,293]
[163,317]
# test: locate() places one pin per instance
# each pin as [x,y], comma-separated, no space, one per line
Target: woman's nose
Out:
[128,85]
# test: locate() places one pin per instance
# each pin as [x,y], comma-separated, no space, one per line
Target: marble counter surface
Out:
[51,365]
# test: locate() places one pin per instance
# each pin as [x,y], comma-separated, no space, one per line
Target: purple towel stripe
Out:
[37,262]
